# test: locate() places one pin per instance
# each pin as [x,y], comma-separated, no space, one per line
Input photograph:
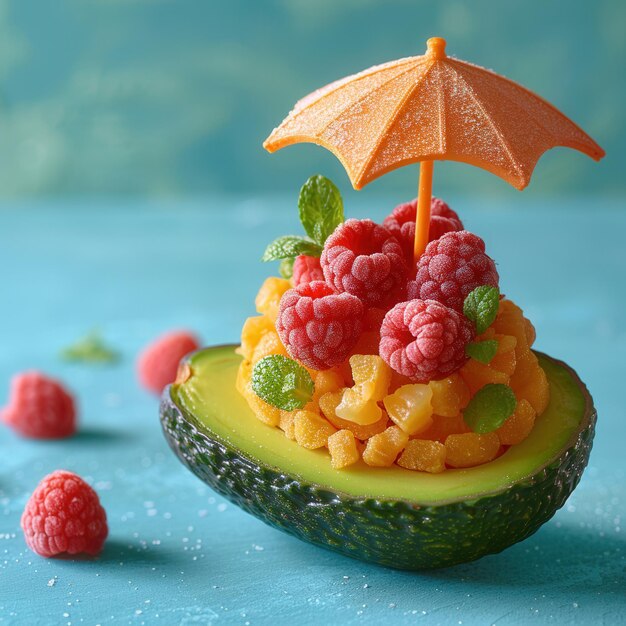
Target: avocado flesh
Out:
[391,516]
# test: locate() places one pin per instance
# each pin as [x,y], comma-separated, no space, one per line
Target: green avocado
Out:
[390,516]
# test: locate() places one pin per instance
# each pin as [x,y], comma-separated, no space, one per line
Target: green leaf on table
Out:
[286,267]
[321,208]
[481,306]
[90,349]
[490,407]
[281,382]
[482,351]
[290,246]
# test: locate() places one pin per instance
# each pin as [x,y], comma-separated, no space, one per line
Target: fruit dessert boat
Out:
[387,403]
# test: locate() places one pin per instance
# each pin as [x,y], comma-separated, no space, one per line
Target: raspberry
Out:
[319,327]
[424,340]
[40,407]
[306,269]
[64,515]
[451,267]
[401,223]
[158,363]
[364,259]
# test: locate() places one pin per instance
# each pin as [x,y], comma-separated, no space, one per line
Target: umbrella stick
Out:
[422,217]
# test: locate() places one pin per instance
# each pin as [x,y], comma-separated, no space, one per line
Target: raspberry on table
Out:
[364,259]
[40,407]
[451,267]
[306,269]
[424,340]
[158,363]
[317,326]
[64,515]
[401,223]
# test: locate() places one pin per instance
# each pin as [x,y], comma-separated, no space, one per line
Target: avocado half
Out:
[390,516]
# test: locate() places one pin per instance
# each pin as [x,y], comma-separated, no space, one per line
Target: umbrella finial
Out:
[436,48]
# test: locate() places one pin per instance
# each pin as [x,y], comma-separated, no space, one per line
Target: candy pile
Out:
[376,357]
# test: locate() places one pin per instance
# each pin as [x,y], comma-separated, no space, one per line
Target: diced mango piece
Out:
[476,375]
[269,343]
[268,299]
[311,430]
[328,404]
[470,449]
[410,407]
[424,456]
[504,362]
[382,450]
[529,329]
[265,412]
[253,329]
[354,408]
[444,426]
[287,423]
[450,395]
[327,381]
[343,449]
[371,374]
[519,425]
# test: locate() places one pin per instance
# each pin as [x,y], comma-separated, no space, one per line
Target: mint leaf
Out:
[290,246]
[281,382]
[481,307]
[490,407]
[90,349]
[482,351]
[286,267]
[321,208]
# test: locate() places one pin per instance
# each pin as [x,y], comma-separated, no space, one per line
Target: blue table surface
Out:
[179,554]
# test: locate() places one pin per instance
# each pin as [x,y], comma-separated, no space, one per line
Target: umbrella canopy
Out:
[427,108]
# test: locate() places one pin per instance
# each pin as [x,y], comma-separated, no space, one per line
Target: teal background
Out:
[174,98]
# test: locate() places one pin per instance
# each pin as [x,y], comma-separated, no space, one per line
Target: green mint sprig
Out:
[90,349]
[482,351]
[490,407]
[320,208]
[283,383]
[289,247]
[481,306]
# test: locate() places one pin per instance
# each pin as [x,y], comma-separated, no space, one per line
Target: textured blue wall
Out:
[174,97]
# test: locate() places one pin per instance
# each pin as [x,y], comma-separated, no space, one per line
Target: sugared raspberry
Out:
[451,267]
[64,515]
[364,259]
[158,363]
[40,407]
[319,327]
[306,269]
[424,340]
[401,223]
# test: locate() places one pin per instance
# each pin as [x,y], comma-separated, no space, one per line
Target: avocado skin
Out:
[393,533]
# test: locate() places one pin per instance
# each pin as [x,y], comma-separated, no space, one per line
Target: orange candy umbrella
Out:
[428,108]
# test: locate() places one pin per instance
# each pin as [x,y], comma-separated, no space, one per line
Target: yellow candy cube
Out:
[268,299]
[311,430]
[269,343]
[253,330]
[287,423]
[343,449]
[424,456]
[410,407]
[354,408]
[371,374]
[450,395]
[382,450]
[470,449]
[327,381]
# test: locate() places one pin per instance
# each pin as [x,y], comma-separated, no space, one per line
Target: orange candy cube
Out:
[311,430]
[382,450]
[343,449]
[424,456]
[470,449]
[410,407]
[443,426]
[328,404]
[518,426]
[253,330]
[268,299]
[450,395]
